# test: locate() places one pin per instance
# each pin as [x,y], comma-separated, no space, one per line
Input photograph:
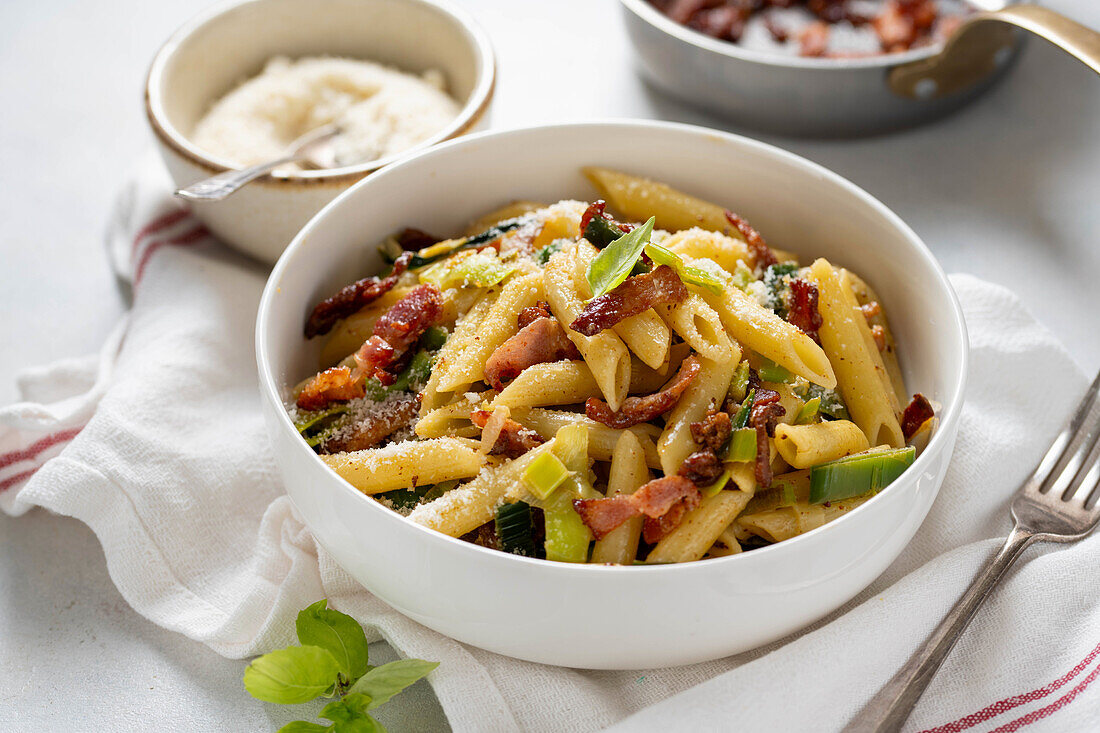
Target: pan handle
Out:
[983,42]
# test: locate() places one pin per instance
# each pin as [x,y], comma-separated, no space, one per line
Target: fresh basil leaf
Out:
[337,632]
[382,683]
[293,675]
[303,726]
[346,708]
[349,715]
[615,261]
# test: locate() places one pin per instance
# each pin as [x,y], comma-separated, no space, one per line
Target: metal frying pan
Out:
[827,97]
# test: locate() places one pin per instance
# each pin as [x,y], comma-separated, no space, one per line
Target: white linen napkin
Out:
[158,445]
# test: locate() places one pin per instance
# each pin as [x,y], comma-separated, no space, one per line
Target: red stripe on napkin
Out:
[156,225]
[13,480]
[183,240]
[1055,706]
[37,447]
[1003,706]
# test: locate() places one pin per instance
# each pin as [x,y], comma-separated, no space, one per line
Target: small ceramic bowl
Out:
[231,42]
[612,617]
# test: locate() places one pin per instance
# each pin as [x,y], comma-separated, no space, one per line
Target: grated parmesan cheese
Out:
[383,111]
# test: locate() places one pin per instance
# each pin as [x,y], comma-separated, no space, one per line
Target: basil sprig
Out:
[615,261]
[332,660]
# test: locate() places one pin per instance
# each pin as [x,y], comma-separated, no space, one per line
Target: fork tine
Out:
[1065,448]
[1090,483]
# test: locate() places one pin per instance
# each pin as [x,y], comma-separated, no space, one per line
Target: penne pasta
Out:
[860,372]
[605,354]
[700,529]
[498,324]
[628,472]
[407,464]
[701,328]
[707,390]
[803,446]
[601,439]
[645,334]
[757,328]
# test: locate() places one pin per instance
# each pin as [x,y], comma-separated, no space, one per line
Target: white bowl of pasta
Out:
[576,435]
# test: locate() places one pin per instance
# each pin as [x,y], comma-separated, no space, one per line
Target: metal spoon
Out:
[315,147]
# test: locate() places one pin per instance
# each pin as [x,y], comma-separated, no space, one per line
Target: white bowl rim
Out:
[471,111]
[659,20]
[948,419]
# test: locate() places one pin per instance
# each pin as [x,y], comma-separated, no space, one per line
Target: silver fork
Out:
[1058,503]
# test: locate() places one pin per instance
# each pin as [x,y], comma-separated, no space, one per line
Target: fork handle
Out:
[891,706]
[220,186]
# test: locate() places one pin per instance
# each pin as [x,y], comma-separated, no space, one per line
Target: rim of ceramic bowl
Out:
[948,419]
[662,22]
[471,112]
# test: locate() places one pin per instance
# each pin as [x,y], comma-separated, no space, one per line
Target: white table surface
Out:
[1007,190]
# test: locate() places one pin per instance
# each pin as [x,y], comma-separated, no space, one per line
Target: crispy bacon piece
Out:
[702,467]
[636,410]
[514,439]
[368,433]
[761,252]
[713,430]
[766,410]
[635,295]
[803,313]
[532,313]
[655,529]
[337,384]
[870,310]
[813,40]
[352,297]
[399,328]
[539,342]
[904,22]
[653,500]
[596,208]
[878,333]
[414,239]
[916,413]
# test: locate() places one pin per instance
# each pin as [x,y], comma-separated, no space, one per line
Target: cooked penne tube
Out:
[700,528]
[605,353]
[407,464]
[784,523]
[467,365]
[697,243]
[463,339]
[891,378]
[555,383]
[803,446]
[628,472]
[447,420]
[707,390]
[860,372]
[769,335]
[467,507]
[601,439]
[645,334]
[701,328]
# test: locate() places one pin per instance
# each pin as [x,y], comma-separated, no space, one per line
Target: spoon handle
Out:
[218,187]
